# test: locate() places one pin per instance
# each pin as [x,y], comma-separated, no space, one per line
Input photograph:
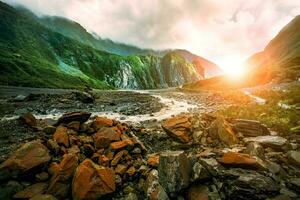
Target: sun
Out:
[233,68]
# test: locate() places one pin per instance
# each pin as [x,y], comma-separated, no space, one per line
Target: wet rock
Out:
[233,159]
[31,191]
[275,142]
[92,181]
[27,157]
[255,149]
[246,184]
[84,97]
[174,170]
[294,157]
[102,122]
[152,188]
[43,197]
[28,119]
[74,116]
[250,128]
[61,136]
[178,127]
[105,136]
[202,192]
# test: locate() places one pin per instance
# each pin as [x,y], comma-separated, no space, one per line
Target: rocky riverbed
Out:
[139,145]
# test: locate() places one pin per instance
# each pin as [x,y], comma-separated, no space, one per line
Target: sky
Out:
[224,31]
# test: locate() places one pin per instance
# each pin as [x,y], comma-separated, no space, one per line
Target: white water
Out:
[171,107]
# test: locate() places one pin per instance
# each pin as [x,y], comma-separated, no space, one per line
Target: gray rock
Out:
[295,184]
[153,189]
[294,157]
[250,128]
[84,97]
[174,171]
[275,142]
[203,192]
[242,184]
[199,173]
[255,149]
[212,165]
[20,98]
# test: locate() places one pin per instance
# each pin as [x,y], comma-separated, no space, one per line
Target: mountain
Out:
[210,68]
[281,57]
[279,61]
[33,54]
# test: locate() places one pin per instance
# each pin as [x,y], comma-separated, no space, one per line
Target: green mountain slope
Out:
[34,55]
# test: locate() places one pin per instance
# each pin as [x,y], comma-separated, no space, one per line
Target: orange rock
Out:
[118,157]
[105,136]
[103,160]
[28,156]
[120,169]
[121,144]
[131,171]
[240,160]
[102,122]
[92,181]
[153,160]
[178,127]
[28,119]
[61,136]
[31,191]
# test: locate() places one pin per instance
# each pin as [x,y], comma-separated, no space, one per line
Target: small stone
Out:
[28,119]
[153,189]
[121,144]
[43,197]
[105,136]
[118,157]
[75,125]
[199,173]
[131,171]
[102,122]
[43,176]
[255,149]
[120,169]
[49,130]
[294,157]
[153,160]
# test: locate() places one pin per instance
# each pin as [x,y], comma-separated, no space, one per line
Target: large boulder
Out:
[74,116]
[92,181]
[102,122]
[275,142]
[178,127]
[174,170]
[247,184]
[27,157]
[250,128]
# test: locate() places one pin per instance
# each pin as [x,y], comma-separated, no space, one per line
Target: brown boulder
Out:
[58,183]
[233,159]
[28,119]
[250,128]
[102,122]
[61,136]
[92,181]
[43,197]
[178,127]
[74,116]
[31,191]
[27,157]
[105,136]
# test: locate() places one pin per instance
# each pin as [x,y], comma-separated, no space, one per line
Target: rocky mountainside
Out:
[281,57]
[31,54]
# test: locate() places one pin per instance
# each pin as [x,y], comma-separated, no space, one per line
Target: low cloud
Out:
[218,30]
